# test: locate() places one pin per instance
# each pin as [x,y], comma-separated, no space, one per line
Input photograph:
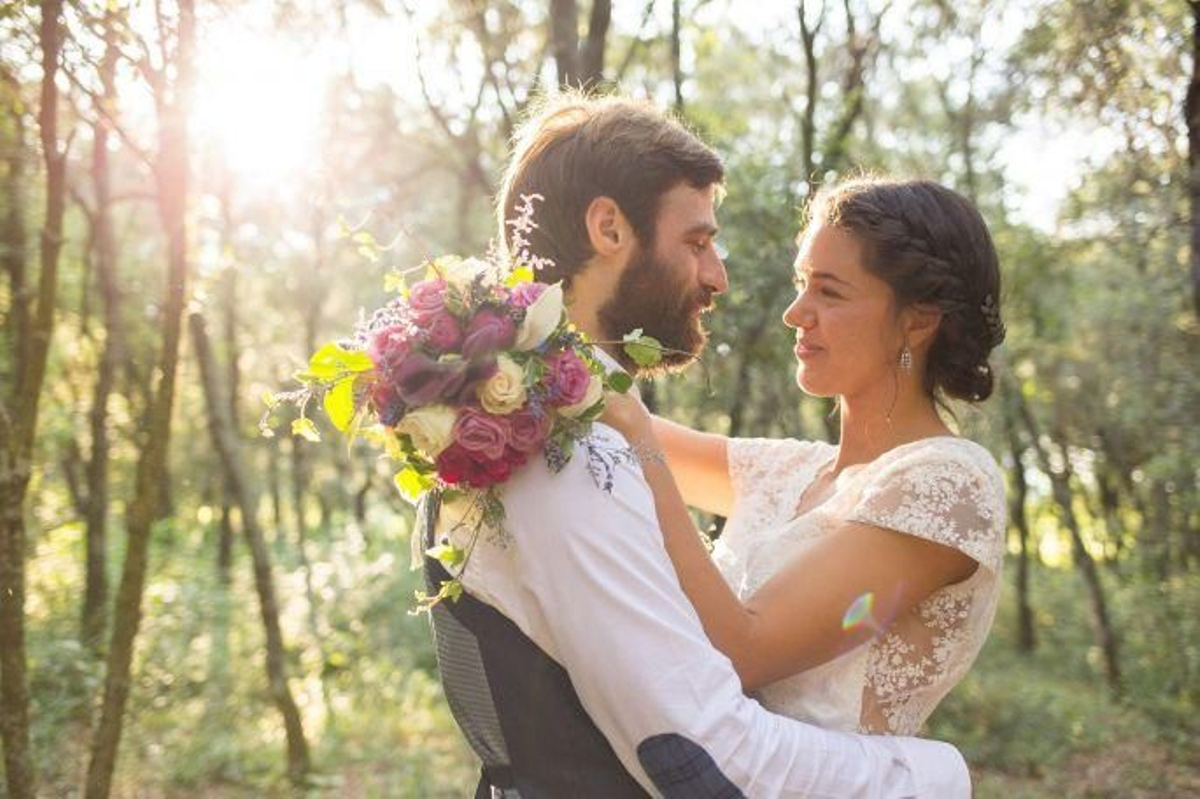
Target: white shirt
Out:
[584,574]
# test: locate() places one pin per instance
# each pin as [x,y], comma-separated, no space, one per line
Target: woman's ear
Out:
[921,325]
[608,229]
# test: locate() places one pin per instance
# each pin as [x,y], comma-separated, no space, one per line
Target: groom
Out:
[574,663]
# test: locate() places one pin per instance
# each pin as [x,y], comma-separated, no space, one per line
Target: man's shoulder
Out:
[600,482]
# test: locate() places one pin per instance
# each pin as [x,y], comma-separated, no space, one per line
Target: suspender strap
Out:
[464,676]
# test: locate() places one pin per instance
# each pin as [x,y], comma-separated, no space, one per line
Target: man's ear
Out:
[921,324]
[608,229]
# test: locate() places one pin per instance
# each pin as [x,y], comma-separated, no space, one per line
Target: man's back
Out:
[515,705]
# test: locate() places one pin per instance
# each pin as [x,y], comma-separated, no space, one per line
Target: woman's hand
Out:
[627,414]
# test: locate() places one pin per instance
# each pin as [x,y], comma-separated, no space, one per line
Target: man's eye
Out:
[699,246]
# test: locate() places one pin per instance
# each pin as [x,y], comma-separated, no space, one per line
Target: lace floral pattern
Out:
[943,489]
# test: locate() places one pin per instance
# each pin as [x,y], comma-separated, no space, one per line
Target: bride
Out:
[854,584]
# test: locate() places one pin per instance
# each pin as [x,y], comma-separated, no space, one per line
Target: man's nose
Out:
[712,273]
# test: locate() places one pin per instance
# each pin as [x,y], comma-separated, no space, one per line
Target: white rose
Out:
[431,428]
[504,392]
[459,272]
[595,390]
[541,318]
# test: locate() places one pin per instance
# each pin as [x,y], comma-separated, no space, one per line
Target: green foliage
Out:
[1102,346]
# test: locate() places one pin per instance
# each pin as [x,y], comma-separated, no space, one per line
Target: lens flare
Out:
[860,613]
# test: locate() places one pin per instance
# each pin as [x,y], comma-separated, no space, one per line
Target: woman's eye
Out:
[828,292]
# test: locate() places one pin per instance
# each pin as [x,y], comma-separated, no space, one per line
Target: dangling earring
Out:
[906,359]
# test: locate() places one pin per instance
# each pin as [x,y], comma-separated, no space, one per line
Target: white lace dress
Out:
[944,489]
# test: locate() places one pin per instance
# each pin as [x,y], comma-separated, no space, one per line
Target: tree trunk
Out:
[243,496]
[1026,634]
[95,594]
[1192,119]
[13,239]
[171,174]
[564,40]
[18,426]
[576,66]
[592,60]
[677,54]
[808,122]
[229,313]
[1060,485]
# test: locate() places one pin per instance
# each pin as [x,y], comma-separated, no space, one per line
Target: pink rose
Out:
[427,297]
[525,294]
[489,330]
[481,433]
[528,430]
[442,331]
[389,346]
[567,378]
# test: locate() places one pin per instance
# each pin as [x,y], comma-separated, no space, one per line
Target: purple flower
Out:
[567,378]
[528,430]
[525,294]
[479,432]
[420,380]
[389,346]
[442,331]
[427,297]
[490,330]
[388,404]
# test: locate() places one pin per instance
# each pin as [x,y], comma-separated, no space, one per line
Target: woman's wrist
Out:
[646,449]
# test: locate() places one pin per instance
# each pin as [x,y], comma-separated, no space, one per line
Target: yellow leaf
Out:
[305,429]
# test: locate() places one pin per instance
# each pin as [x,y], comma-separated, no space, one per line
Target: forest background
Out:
[196,193]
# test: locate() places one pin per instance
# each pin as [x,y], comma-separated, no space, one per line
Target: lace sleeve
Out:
[951,493]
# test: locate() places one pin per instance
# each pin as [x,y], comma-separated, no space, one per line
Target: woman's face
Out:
[848,334]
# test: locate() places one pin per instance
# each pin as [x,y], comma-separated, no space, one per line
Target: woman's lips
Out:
[806,351]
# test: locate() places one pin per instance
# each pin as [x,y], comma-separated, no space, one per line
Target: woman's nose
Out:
[798,314]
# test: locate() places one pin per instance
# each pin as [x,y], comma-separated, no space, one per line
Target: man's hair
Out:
[574,148]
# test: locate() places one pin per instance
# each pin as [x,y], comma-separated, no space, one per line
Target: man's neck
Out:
[584,312]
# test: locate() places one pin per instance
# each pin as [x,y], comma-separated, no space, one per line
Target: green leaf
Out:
[339,403]
[448,554]
[644,350]
[305,428]
[412,483]
[270,399]
[332,362]
[355,426]
[620,382]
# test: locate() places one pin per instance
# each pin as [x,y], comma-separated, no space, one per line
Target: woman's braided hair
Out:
[931,245]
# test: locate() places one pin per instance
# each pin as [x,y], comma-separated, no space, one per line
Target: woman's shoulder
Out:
[946,488]
[943,453]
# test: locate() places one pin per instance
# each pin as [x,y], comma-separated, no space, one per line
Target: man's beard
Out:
[650,297]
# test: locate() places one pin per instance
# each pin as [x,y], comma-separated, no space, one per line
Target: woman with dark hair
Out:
[854,584]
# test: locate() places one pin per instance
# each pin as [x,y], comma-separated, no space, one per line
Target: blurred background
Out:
[194,194]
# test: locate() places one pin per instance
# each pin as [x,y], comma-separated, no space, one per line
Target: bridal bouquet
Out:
[462,378]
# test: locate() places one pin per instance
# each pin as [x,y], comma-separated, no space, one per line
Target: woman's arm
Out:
[700,463]
[796,620]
